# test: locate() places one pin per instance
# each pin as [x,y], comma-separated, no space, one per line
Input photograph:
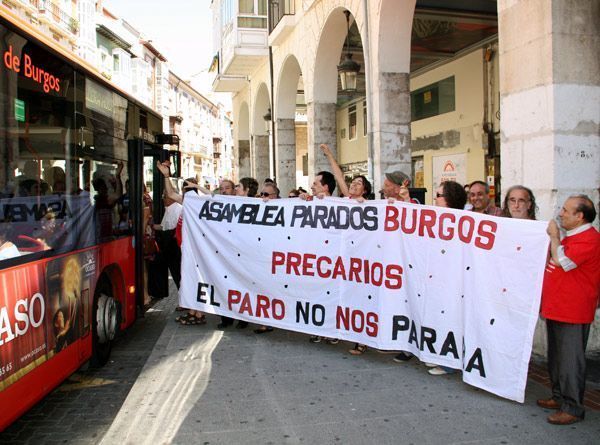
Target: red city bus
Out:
[72,156]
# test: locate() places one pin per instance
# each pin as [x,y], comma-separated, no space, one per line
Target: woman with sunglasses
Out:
[268,192]
[452,195]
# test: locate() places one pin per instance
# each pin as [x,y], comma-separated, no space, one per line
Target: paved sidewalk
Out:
[202,385]
[81,410]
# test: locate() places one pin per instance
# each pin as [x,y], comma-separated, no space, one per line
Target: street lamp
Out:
[271,131]
[267,117]
[348,69]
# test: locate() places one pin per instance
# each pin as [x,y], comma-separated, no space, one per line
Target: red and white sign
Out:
[449,168]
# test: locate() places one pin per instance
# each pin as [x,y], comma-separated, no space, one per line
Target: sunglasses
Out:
[265,194]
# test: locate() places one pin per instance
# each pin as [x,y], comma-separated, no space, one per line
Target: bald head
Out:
[585,205]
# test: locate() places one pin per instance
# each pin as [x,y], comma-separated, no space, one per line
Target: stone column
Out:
[243,157]
[260,167]
[321,130]
[550,106]
[390,125]
[286,155]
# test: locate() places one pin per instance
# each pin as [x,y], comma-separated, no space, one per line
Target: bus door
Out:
[147,185]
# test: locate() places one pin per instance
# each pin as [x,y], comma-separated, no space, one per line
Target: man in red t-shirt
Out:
[569,300]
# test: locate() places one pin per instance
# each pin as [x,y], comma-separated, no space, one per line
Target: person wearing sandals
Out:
[269,191]
[191,317]
[247,187]
[359,189]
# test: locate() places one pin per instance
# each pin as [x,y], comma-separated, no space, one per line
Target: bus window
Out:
[34,133]
[110,200]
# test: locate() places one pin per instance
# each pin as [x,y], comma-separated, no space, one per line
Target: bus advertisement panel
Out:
[22,321]
[44,308]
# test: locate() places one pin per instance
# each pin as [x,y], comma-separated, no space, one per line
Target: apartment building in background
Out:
[129,58]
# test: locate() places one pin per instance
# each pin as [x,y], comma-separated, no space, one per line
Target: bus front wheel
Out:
[106,325]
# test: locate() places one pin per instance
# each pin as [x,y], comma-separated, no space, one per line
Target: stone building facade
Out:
[534,120]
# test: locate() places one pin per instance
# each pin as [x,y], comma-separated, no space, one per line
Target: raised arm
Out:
[203,190]
[336,170]
[166,172]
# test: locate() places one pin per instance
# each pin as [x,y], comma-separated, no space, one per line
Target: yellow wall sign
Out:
[427,97]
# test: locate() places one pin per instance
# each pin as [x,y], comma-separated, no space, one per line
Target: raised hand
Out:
[164,168]
[404,192]
[326,149]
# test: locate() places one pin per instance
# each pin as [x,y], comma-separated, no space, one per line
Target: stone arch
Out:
[322,99]
[287,149]
[260,153]
[331,42]
[261,104]
[389,92]
[287,86]
[393,33]
[243,141]
[243,126]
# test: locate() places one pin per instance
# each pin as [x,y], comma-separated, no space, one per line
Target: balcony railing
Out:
[59,16]
[278,9]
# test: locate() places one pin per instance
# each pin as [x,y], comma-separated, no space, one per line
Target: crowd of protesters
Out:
[571,289]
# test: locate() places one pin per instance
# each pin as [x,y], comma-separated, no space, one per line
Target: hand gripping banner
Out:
[455,288]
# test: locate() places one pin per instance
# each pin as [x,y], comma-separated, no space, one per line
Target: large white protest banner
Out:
[454,288]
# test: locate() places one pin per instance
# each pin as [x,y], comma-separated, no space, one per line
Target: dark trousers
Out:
[226,321]
[566,364]
[170,253]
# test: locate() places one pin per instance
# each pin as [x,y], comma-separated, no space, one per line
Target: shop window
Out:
[433,100]
[352,122]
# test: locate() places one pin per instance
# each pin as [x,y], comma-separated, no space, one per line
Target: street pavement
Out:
[168,383]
